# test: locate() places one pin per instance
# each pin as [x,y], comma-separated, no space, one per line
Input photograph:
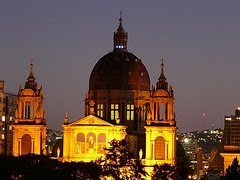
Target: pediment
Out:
[90,120]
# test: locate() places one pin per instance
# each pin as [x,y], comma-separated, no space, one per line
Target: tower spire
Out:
[31,76]
[31,80]
[162,76]
[120,16]
[120,37]
[162,83]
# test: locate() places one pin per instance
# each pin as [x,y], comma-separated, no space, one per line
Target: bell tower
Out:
[29,128]
[160,124]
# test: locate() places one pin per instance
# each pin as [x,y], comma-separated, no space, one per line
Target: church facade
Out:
[120,104]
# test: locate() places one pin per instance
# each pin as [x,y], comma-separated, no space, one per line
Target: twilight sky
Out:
[199,40]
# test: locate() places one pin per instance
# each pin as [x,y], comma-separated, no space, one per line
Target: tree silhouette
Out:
[233,171]
[31,166]
[27,167]
[164,172]
[119,164]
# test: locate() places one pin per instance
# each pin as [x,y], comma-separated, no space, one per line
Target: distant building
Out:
[190,147]
[8,105]
[52,139]
[231,134]
[2,116]
[216,162]
[202,150]
[231,138]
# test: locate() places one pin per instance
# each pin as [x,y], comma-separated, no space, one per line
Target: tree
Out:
[119,163]
[27,167]
[164,172]
[79,170]
[233,171]
[33,166]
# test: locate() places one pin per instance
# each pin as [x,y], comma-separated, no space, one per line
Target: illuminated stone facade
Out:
[29,128]
[86,138]
[121,99]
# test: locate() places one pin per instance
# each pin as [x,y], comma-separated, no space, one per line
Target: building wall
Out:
[11,107]
[231,138]
[229,156]
[2,115]
[37,139]
[169,145]
[8,105]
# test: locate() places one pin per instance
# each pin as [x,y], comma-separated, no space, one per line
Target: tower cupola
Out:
[120,37]
[162,83]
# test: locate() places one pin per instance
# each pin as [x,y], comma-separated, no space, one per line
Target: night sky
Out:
[199,40]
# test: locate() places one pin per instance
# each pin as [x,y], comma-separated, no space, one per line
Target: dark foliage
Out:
[164,172]
[233,171]
[30,167]
[119,163]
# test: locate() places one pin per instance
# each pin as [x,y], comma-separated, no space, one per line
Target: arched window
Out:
[80,147]
[27,109]
[101,143]
[80,137]
[26,144]
[114,111]
[159,148]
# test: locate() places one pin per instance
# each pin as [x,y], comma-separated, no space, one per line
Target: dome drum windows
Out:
[130,112]
[114,112]
[144,112]
[100,110]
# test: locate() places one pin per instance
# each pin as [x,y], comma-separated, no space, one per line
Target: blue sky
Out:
[199,40]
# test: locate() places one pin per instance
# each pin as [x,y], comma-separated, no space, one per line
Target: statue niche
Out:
[91,143]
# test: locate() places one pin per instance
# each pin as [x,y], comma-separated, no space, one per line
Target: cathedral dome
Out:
[120,69]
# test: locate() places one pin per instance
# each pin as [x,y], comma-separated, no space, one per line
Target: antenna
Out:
[204,121]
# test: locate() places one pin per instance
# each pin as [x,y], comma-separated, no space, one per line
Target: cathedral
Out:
[120,103]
